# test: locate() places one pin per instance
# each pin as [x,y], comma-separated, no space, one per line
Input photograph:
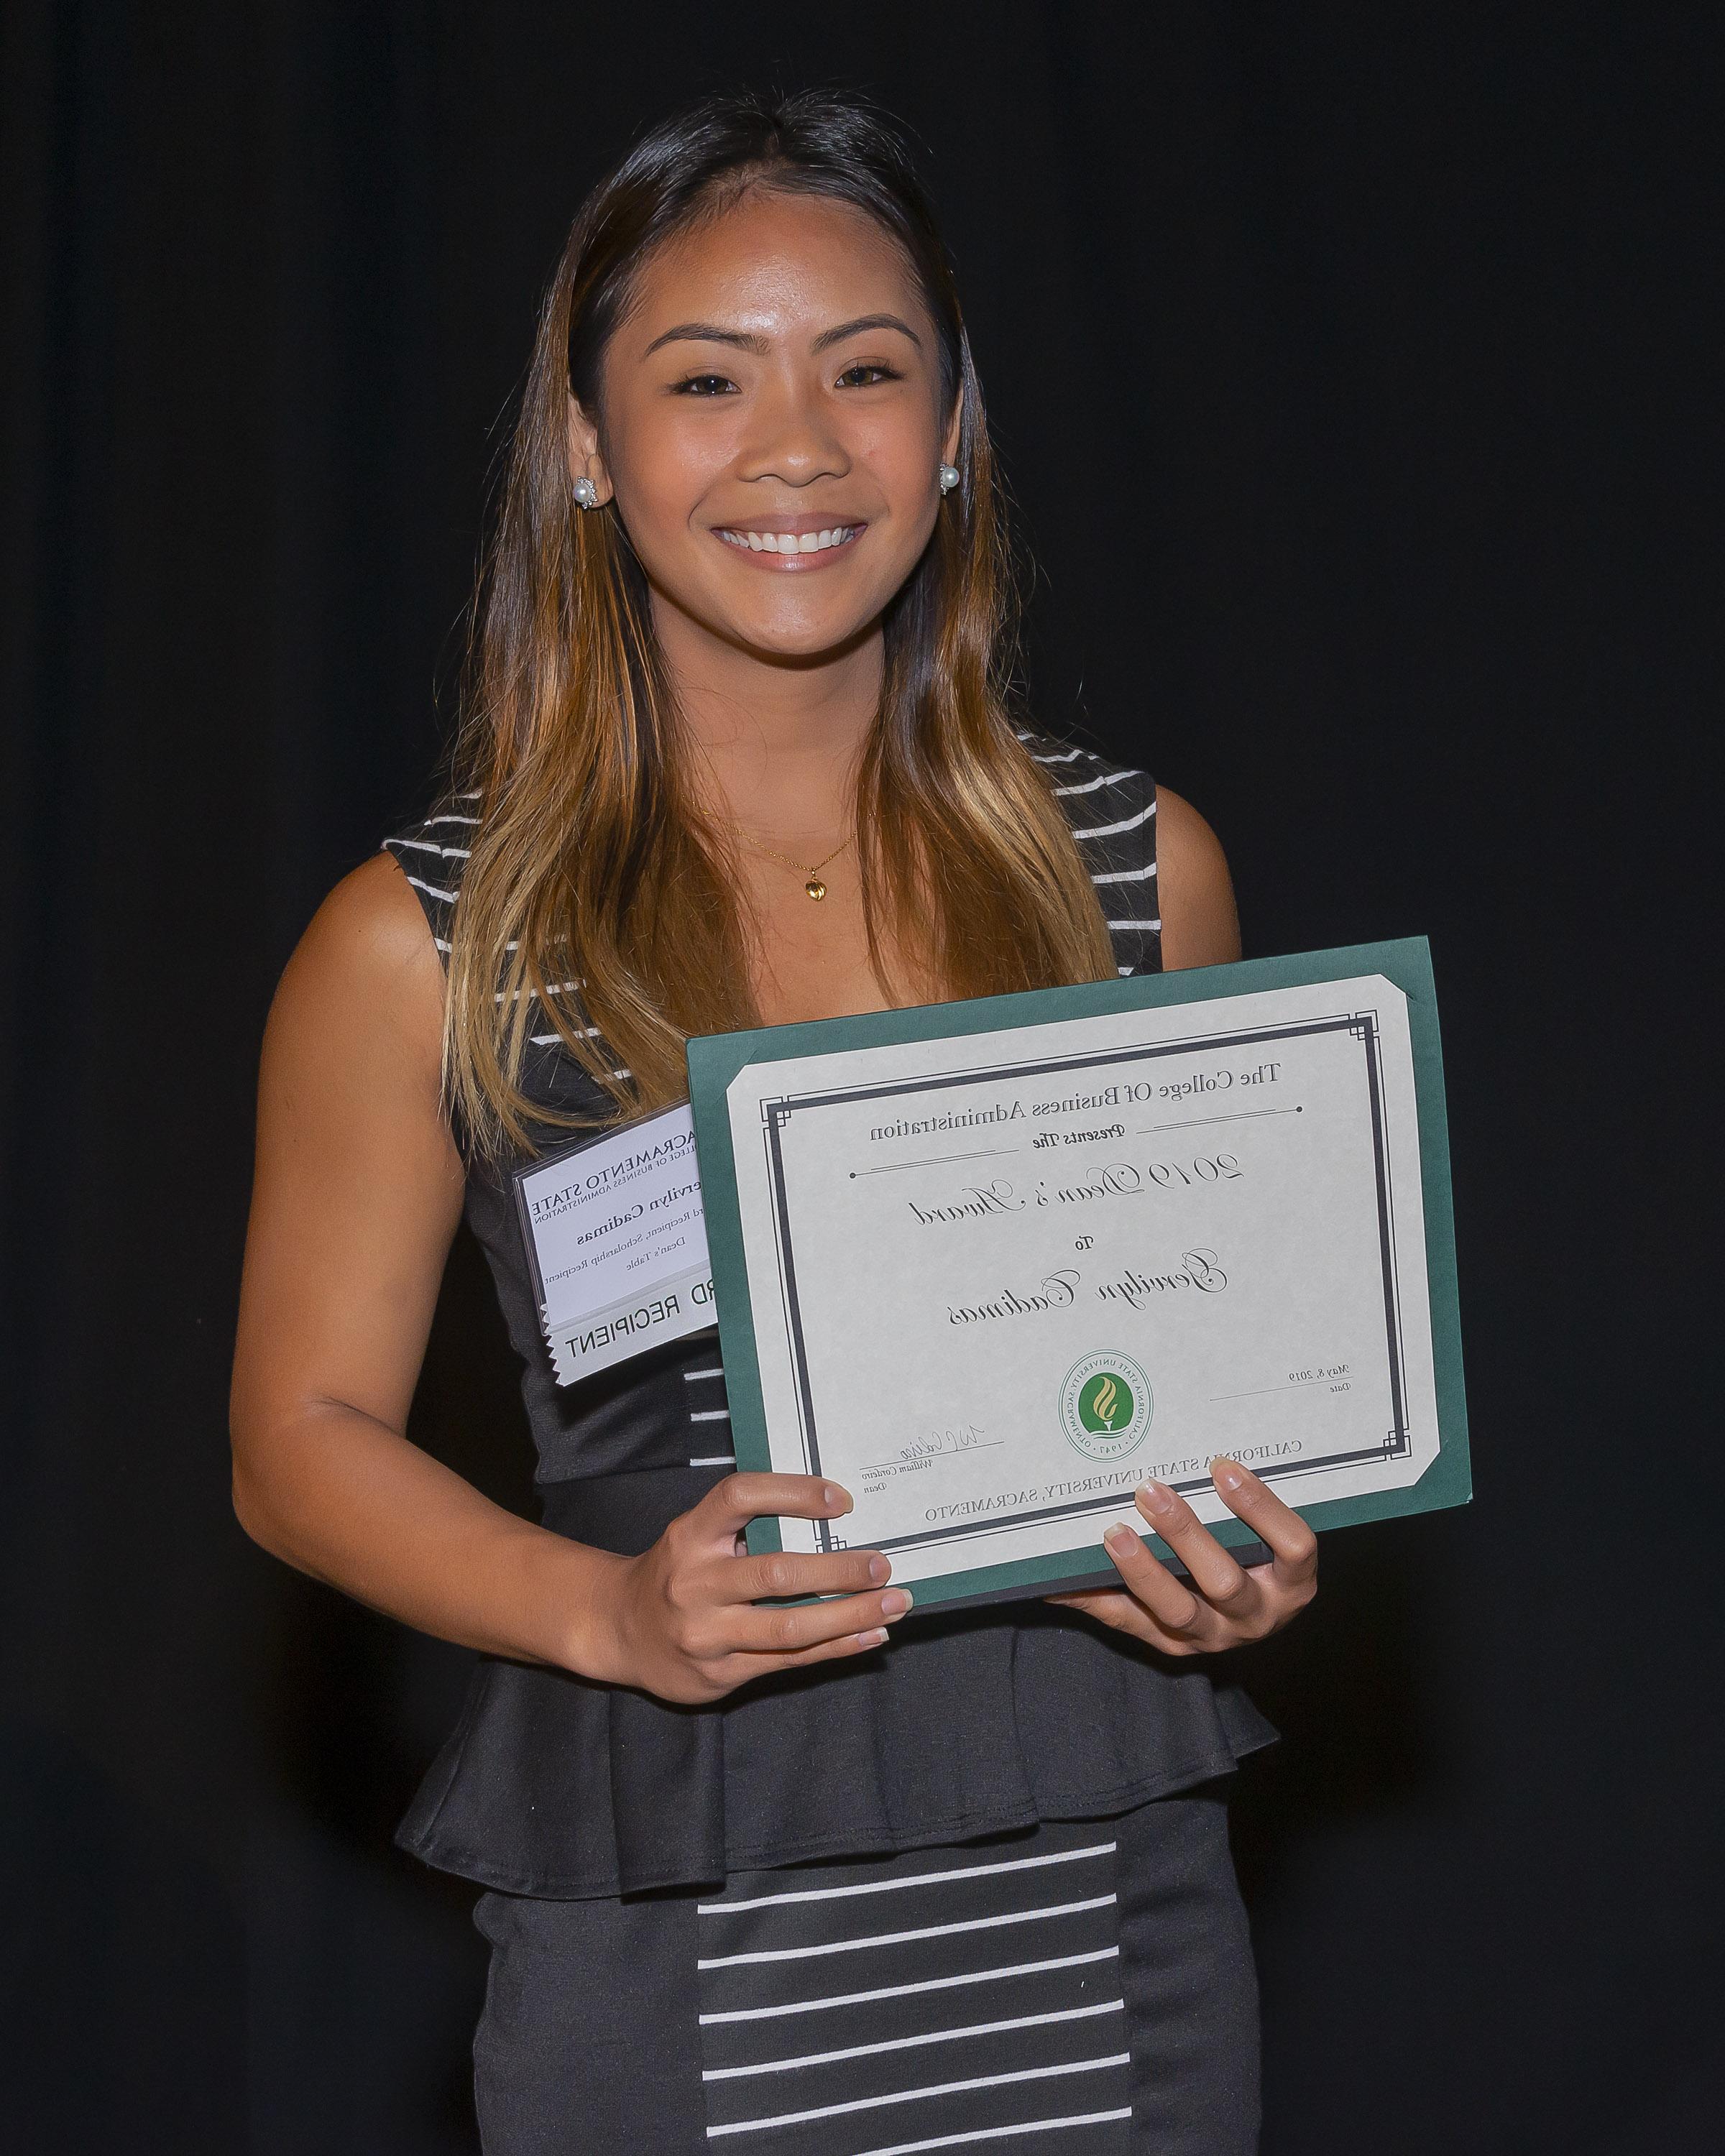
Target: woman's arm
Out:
[358,1195]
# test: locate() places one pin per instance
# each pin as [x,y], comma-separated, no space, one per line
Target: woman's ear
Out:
[955,431]
[585,461]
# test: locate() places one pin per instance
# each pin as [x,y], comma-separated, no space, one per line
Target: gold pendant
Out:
[815,888]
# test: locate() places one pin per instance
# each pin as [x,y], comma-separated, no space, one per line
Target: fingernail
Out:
[879,1570]
[1157,1496]
[874,1638]
[1226,1474]
[1117,1538]
[835,1499]
[896,1604]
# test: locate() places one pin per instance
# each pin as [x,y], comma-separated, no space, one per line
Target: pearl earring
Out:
[949,475]
[587,494]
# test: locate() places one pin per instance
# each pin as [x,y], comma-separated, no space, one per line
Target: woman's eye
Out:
[851,378]
[704,385]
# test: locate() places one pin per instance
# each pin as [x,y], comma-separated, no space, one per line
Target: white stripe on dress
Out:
[902,1938]
[1000,2132]
[1090,785]
[910,1879]
[425,846]
[1124,875]
[911,2043]
[1108,830]
[1135,924]
[907,1990]
[584,1032]
[690,1376]
[710,1414]
[715,1459]
[916,2095]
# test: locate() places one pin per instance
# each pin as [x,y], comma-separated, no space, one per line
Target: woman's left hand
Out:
[1223,1604]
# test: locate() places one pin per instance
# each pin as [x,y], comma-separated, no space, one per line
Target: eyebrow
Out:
[744,341]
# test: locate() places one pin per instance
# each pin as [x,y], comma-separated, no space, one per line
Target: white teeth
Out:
[791,542]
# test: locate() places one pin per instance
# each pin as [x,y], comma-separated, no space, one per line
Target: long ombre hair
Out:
[596,895]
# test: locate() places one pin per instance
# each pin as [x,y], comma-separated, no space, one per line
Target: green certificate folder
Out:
[991,1265]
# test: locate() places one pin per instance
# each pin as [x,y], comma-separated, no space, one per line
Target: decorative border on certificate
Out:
[777,1111]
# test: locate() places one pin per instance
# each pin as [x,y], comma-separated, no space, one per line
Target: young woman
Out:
[833,1878]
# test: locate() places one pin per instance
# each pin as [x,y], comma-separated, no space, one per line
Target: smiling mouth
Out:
[751,541]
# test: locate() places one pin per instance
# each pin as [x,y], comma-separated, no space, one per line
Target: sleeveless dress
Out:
[600,1816]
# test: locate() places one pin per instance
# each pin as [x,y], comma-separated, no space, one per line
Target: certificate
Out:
[992,1264]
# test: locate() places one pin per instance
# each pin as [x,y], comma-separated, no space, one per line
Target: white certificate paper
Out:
[618,1240]
[993,1280]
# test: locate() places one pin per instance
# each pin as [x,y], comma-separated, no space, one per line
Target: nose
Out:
[791,437]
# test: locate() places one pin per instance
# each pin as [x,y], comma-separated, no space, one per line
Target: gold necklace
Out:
[811,876]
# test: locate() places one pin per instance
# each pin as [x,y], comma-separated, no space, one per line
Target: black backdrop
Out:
[1350,364]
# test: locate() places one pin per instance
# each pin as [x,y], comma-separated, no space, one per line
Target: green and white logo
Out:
[1106,1405]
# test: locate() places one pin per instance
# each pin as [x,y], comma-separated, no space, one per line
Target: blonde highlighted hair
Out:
[595,896]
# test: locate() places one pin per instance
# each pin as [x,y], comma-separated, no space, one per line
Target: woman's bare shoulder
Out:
[367,969]
[373,911]
[1199,925]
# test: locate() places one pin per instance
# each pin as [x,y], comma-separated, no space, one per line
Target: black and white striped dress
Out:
[922,2003]
[1112,814]
[974,1891]
[1083,1989]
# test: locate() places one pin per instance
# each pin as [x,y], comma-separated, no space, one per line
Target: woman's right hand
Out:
[680,1621]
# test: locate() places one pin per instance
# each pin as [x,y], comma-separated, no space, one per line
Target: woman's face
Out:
[773,426]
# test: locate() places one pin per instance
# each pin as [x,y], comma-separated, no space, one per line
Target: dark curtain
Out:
[1354,369]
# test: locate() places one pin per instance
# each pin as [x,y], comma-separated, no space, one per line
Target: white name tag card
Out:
[617,1238]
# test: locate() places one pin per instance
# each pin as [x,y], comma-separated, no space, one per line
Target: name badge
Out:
[616,1239]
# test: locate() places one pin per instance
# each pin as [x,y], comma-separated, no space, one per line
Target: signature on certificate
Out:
[934,1445]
